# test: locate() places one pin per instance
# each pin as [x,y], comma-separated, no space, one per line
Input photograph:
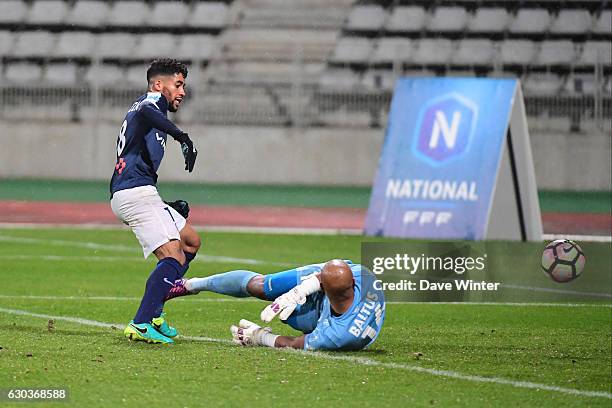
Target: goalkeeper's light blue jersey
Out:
[359,326]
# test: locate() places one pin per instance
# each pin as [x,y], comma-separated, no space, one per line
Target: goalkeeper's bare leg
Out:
[244,283]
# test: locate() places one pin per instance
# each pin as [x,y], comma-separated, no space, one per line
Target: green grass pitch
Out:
[447,355]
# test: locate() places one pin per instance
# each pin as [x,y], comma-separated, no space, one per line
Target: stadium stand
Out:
[75,45]
[22,72]
[448,19]
[90,13]
[128,13]
[61,74]
[209,15]
[489,20]
[286,55]
[366,18]
[406,19]
[530,21]
[47,12]
[13,11]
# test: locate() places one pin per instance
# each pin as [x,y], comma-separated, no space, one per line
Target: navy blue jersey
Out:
[141,142]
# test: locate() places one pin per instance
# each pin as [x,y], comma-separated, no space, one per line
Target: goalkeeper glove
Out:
[286,303]
[189,151]
[250,334]
[181,207]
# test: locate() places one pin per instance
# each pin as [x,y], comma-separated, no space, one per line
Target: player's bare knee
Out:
[194,242]
[255,287]
[190,239]
[171,249]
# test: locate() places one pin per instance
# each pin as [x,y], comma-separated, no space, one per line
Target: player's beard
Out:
[172,107]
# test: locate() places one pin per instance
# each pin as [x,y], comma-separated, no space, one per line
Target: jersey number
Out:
[121,138]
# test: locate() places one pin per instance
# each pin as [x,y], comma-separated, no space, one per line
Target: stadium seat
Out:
[379,79]
[22,72]
[154,45]
[6,42]
[406,19]
[104,74]
[596,52]
[33,44]
[338,79]
[88,13]
[278,45]
[115,45]
[603,25]
[12,11]
[209,15]
[291,15]
[418,73]
[75,44]
[542,84]
[128,13]
[61,74]
[572,22]
[473,52]
[517,52]
[448,19]
[171,13]
[136,75]
[608,85]
[365,18]
[556,52]
[433,52]
[460,73]
[47,12]
[530,21]
[392,49]
[196,47]
[352,50]
[581,84]
[489,20]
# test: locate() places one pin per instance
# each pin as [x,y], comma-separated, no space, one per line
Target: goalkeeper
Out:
[334,304]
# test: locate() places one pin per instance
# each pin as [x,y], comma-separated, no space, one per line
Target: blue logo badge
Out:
[444,129]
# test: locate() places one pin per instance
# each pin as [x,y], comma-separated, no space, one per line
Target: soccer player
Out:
[160,229]
[334,304]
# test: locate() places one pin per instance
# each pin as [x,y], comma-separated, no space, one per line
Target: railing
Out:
[267,104]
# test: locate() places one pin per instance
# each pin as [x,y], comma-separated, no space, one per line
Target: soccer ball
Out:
[563,260]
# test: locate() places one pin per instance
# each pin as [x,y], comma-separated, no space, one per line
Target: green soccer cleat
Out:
[145,332]
[163,327]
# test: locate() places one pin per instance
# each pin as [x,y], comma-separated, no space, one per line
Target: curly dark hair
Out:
[166,66]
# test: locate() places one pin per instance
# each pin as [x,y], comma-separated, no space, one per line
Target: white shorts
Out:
[153,221]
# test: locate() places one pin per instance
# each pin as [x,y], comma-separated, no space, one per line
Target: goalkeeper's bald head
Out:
[337,281]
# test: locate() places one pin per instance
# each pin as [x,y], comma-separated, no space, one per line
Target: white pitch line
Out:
[349,359]
[127,249]
[247,261]
[200,258]
[253,300]
[266,230]
[561,291]
[585,238]
[125,298]
[95,323]
[203,228]
[216,258]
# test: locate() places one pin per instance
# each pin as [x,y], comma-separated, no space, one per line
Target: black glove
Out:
[189,151]
[181,207]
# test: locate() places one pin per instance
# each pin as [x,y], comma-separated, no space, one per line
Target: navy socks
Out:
[158,285]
